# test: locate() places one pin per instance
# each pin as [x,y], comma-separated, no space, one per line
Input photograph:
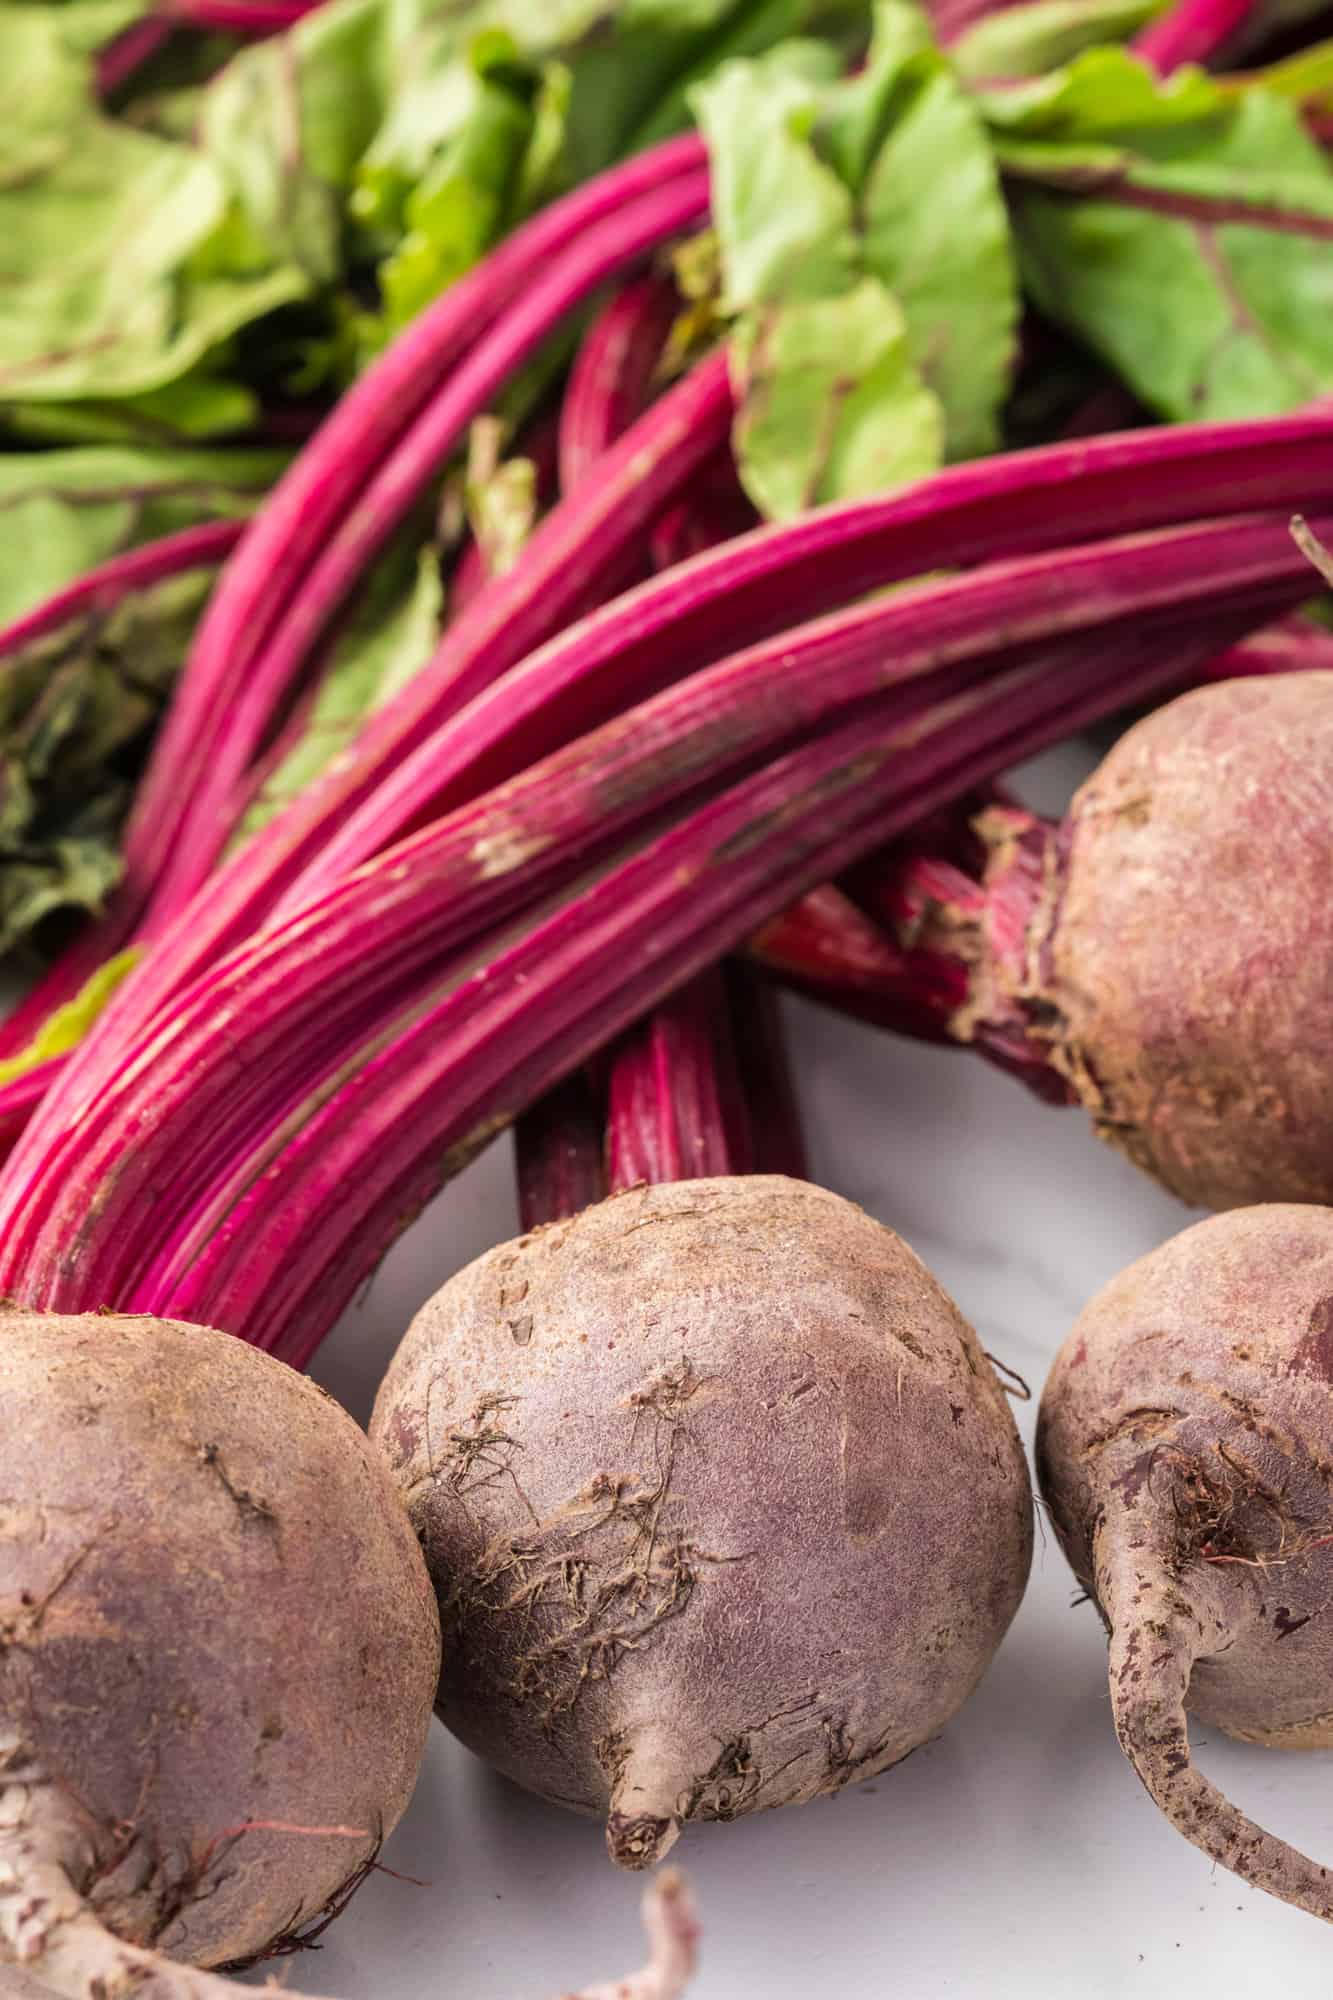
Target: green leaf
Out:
[462,204]
[634,80]
[41,880]
[284,126]
[594,79]
[1184,231]
[133,251]
[66,1027]
[62,512]
[935,228]
[99,225]
[499,496]
[831,405]
[1102,96]
[784,220]
[1029,40]
[198,406]
[881,187]
[390,637]
[77,708]
[88,25]
[1306,78]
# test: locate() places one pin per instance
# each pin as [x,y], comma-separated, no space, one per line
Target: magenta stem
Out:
[691,615]
[749,588]
[764,1074]
[1296,645]
[254,18]
[715,510]
[669,1103]
[101,589]
[129,51]
[680,620]
[317,491]
[611,383]
[830,949]
[1193,31]
[284,1252]
[559,1153]
[419,905]
[218,764]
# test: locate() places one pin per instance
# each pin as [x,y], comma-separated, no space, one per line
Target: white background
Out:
[1016,1857]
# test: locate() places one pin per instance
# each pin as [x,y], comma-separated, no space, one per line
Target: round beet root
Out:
[218,1652]
[1185,1450]
[1191,945]
[1176,965]
[723,1502]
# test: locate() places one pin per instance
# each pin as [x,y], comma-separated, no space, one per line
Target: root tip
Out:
[639,1840]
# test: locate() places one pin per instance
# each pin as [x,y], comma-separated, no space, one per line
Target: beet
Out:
[1186,939]
[1162,956]
[1185,1451]
[218,1650]
[723,1502]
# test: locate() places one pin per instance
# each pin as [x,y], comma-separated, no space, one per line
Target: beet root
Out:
[1176,962]
[1185,1450]
[722,1500]
[671,1925]
[218,1652]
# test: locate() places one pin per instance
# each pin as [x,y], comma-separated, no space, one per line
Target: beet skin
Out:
[722,1499]
[1169,947]
[218,1652]
[1185,1451]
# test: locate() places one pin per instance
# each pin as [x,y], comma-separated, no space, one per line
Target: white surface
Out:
[1016,1857]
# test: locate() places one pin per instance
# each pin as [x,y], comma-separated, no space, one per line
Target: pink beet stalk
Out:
[308,1206]
[862,954]
[669,1098]
[763,1059]
[664,1103]
[1295,645]
[1193,31]
[658,633]
[218,761]
[684,618]
[703,1086]
[129,51]
[612,380]
[700,1087]
[825,946]
[601,639]
[752,587]
[240,17]
[318,491]
[86,1193]
[103,588]
[713,511]
[559,1153]
[472,738]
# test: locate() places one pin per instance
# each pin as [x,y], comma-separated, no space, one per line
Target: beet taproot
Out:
[722,1500]
[218,1653]
[1185,1451]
